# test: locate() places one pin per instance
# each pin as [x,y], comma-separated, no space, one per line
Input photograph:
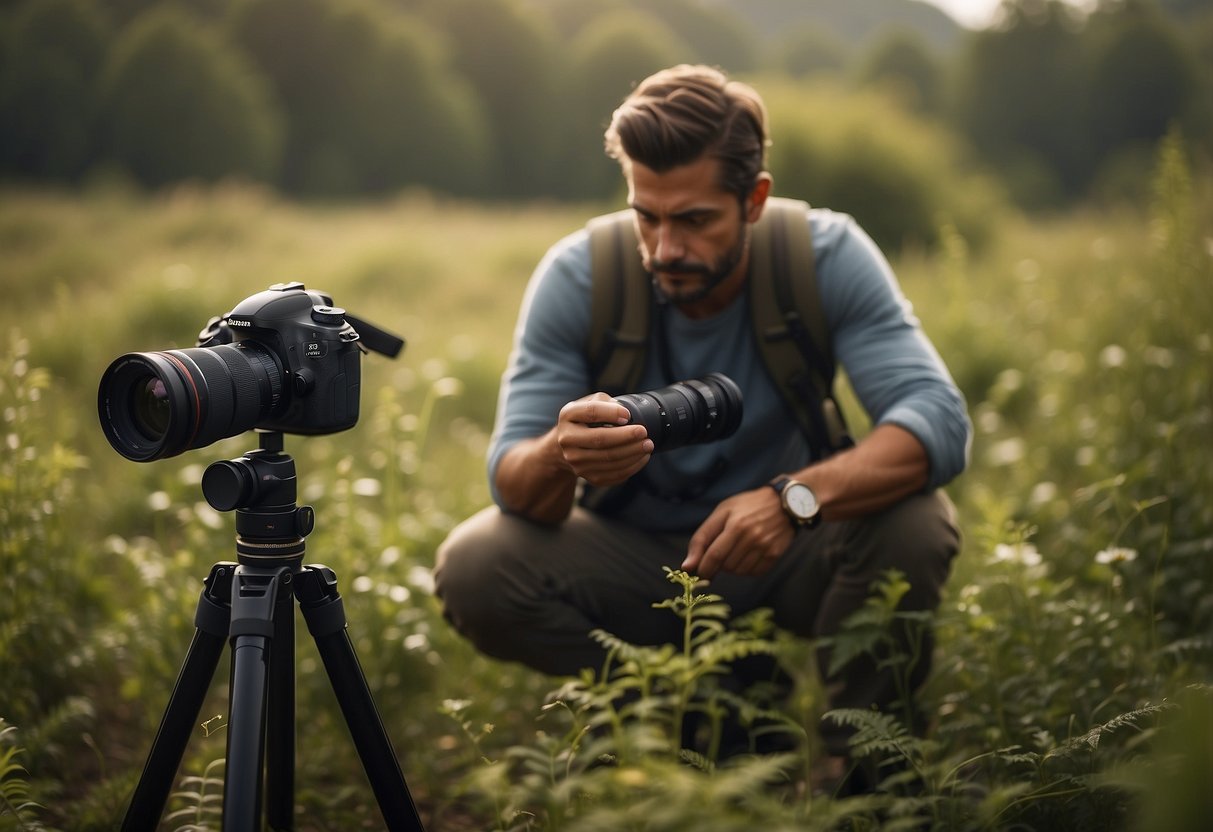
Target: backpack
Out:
[786,316]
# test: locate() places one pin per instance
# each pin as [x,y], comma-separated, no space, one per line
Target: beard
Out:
[711,274]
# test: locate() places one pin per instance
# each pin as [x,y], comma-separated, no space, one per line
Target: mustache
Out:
[678,267]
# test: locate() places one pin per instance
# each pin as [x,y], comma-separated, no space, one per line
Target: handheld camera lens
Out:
[687,412]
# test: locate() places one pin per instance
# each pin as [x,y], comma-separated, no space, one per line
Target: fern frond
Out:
[876,733]
[1090,740]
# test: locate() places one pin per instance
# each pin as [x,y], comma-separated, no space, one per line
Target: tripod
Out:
[250,603]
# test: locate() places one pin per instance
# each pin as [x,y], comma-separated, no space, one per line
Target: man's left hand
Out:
[745,535]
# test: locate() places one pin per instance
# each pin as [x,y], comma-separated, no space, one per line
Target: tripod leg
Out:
[316,589]
[193,681]
[280,720]
[254,600]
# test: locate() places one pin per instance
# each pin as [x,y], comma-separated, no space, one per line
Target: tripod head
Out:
[260,487]
[249,606]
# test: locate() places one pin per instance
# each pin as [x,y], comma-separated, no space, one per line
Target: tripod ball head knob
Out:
[227,485]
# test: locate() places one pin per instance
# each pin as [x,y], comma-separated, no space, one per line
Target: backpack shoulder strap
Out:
[789,324]
[619,305]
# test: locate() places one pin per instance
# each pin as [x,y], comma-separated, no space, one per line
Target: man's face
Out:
[693,234]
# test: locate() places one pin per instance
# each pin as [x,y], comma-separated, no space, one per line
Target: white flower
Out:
[1024,553]
[1115,554]
[1113,355]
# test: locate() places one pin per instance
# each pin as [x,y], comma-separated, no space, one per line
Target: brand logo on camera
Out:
[238,322]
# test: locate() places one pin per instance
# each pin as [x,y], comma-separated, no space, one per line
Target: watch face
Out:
[801,500]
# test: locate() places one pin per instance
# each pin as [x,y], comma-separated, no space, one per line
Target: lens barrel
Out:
[687,412]
[154,405]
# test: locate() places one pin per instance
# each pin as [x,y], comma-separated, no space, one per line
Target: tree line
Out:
[507,98]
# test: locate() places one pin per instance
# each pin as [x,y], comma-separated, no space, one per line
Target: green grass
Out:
[1074,650]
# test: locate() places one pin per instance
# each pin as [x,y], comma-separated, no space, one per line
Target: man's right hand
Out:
[598,444]
[537,478]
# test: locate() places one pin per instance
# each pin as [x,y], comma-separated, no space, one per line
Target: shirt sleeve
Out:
[893,367]
[547,366]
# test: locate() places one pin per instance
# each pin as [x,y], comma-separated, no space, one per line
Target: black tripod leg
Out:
[181,715]
[254,601]
[280,720]
[316,589]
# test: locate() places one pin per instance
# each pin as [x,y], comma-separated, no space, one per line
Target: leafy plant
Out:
[17,810]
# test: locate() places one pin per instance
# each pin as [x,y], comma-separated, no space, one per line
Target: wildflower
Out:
[1115,554]
[1024,553]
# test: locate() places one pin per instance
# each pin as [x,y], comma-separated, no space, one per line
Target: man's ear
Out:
[758,197]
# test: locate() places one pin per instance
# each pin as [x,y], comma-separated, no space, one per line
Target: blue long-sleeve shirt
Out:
[895,371]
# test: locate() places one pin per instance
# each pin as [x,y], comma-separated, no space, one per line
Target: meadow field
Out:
[1072,683]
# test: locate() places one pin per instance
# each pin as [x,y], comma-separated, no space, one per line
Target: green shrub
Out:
[51,53]
[857,152]
[179,103]
[366,94]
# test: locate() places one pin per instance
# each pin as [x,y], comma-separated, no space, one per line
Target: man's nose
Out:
[670,248]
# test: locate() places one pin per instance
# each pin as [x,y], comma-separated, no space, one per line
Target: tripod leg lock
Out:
[254,597]
[319,600]
[214,605]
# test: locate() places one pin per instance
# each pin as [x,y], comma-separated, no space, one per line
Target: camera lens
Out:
[158,404]
[150,407]
[687,412]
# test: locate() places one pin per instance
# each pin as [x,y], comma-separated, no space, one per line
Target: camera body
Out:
[283,360]
[316,350]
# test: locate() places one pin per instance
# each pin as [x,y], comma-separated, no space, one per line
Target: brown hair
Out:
[674,117]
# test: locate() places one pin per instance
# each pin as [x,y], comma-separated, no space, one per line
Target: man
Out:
[529,578]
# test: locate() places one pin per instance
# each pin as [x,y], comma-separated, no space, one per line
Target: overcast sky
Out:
[972,13]
[977,14]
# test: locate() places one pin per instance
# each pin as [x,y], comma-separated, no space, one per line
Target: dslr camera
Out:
[284,360]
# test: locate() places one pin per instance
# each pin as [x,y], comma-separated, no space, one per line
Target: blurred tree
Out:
[903,180]
[418,124]
[569,17]
[902,63]
[369,103]
[1143,79]
[608,58]
[124,11]
[1185,9]
[50,57]
[717,34]
[1021,99]
[509,58]
[179,102]
[810,50]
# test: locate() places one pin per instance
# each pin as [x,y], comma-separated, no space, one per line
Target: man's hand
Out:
[597,442]
[745,535]
[537,478]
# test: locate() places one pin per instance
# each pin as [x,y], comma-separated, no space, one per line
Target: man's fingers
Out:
[703,552]
[598,409]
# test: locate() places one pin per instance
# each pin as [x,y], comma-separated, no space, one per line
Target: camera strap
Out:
[376,339]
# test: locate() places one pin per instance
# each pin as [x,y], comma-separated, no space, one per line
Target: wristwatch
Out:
[799,502]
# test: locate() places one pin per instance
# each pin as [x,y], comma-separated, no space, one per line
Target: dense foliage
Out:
[507,98]
[1072,688]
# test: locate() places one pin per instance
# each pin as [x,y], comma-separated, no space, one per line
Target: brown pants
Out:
[529,593]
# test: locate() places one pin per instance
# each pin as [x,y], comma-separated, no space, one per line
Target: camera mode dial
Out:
[331,315]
